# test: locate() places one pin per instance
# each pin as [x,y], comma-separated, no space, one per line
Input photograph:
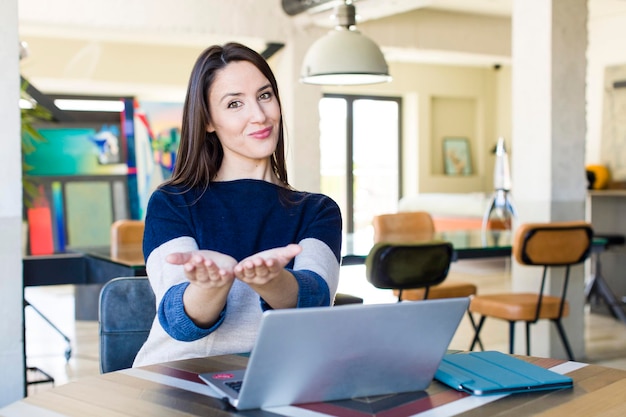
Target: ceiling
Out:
[65,75]
[376,9]
[321,15]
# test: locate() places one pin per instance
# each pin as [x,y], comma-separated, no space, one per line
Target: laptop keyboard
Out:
[235,385]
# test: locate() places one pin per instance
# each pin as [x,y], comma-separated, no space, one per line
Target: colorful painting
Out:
[164,120]
[77,151]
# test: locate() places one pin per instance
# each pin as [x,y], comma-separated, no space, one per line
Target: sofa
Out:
[450,211]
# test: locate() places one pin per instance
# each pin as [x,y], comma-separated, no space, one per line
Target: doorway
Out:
[360,156]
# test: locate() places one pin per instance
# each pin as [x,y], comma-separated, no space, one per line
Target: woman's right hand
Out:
[210,275]
[205,268]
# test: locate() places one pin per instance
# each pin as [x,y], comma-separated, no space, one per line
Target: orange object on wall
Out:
[40,226]
[601,176]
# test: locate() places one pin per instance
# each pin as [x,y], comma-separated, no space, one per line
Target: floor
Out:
[45,348]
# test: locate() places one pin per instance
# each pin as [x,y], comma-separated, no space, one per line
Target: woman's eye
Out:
[234,104]
[265,96]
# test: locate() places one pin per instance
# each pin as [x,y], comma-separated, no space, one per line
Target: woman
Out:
[227,238]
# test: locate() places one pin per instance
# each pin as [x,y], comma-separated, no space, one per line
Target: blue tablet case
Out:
[490,372]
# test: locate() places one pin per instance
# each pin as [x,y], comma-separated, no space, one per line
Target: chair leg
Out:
[511,336]
[477,333]
[473,323]
[527,338]
[566,345]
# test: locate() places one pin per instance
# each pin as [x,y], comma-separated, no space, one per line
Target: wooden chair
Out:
[416,226]
[555,244]
[126,232]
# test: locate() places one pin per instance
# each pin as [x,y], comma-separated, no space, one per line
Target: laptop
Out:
[321,354]
[491,372]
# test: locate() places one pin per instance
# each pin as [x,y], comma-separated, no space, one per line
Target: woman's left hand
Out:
[263,267]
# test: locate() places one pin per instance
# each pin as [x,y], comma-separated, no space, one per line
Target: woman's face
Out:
[245,113]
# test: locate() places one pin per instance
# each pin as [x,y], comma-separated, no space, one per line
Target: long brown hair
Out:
[200,153]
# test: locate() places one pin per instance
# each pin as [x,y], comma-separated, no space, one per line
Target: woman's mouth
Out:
[262,134]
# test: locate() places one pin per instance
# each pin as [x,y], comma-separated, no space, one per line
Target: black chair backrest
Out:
[408,265]
[127,309]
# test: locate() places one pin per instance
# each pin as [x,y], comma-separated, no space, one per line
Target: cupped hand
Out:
[208,269]
[263,267]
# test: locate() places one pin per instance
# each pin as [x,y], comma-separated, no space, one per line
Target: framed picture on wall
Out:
[456,156]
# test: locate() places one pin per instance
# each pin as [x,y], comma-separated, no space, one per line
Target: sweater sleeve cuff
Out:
[313,290]
[176,322]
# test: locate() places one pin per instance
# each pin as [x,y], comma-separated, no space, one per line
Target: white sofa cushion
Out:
[447,204]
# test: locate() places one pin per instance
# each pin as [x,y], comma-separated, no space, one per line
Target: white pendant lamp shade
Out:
[344,57]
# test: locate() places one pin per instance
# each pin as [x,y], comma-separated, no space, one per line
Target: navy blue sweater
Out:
[240,218]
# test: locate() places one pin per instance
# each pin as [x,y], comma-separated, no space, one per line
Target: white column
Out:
[11,289]
[301,112]
[548,84]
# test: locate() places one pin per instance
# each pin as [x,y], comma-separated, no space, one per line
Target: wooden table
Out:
[174,389]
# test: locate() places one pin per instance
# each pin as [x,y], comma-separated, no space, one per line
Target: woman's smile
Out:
[263,133]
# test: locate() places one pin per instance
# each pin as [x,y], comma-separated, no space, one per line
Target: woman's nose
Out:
[257,113]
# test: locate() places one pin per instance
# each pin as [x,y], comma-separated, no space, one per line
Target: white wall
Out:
[418,85]
[607,32]
[11,293]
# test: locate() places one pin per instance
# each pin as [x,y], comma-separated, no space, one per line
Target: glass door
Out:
[360,157]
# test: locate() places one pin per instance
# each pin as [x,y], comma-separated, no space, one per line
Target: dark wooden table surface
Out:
[174,389]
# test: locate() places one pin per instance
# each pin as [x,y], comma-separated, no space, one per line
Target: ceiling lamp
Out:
[344,56]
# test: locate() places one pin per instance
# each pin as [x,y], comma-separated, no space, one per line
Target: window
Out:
[360,156]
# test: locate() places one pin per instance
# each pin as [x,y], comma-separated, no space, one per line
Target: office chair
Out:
[556,244]
[407,266]
[416,226]
[126,311]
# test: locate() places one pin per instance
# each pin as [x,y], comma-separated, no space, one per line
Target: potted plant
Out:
[32,192]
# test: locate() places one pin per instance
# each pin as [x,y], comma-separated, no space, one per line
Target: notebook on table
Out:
[490,372]
[333,353]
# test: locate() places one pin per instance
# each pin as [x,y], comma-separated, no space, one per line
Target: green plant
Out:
[30,138]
